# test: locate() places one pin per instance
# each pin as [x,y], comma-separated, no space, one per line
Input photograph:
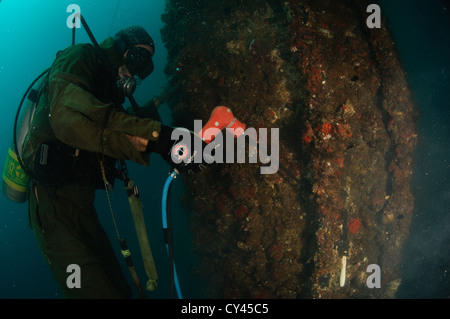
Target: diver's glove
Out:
[181,148]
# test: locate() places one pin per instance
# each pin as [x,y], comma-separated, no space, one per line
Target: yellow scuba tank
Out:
[15,181]
[15,177]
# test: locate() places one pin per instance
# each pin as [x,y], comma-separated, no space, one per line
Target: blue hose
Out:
[167,231]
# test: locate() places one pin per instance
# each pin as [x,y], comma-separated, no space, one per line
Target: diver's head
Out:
[137,49]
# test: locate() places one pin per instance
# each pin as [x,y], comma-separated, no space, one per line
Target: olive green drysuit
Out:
[79,119]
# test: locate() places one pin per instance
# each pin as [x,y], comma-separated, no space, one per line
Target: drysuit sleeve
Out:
[82,121]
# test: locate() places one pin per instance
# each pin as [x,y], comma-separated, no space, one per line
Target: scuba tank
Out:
[15,175]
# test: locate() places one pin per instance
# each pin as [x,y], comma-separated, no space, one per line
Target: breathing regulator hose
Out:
[167,230]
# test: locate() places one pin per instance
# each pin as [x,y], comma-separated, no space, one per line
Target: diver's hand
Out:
[138,142]
[182,149]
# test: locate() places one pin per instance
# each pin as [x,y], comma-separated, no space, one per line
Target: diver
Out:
[78,133]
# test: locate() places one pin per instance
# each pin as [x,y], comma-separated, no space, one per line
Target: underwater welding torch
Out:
[221,117]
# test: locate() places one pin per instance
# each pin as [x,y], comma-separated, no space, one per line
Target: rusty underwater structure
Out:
[338,94]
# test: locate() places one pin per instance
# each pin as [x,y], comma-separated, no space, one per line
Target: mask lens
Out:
[139,62]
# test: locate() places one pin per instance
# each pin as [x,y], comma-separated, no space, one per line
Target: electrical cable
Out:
[167,230]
